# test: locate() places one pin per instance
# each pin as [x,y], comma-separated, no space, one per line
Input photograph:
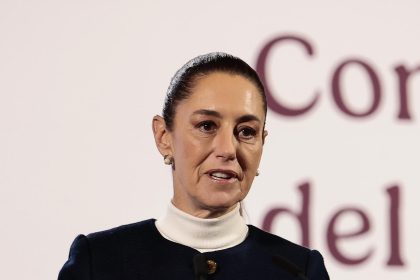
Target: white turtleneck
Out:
[203,235]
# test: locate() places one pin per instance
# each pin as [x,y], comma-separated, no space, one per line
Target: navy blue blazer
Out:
[139,252]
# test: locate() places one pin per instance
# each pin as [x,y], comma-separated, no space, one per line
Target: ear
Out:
[265,133]
[162,136]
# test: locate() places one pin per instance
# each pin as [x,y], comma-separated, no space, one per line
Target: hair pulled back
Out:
[184,79]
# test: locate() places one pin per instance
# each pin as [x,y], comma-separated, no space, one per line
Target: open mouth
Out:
[222,175]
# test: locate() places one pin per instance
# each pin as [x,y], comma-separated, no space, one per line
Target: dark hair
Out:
[184,79]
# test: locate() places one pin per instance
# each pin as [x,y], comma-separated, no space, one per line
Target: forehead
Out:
[225,92]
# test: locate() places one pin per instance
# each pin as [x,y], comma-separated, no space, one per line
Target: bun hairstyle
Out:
[184,79]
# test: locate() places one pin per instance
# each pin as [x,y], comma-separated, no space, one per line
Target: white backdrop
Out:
[81,80]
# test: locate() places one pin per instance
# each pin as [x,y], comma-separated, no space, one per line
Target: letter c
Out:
[272,103]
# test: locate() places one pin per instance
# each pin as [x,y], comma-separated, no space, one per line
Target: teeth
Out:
[221,175]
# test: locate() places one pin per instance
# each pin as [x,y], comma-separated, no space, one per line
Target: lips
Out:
[221,174]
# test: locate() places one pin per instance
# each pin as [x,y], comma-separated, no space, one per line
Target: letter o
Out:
[337,94]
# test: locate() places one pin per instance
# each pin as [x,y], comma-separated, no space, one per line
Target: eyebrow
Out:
[207,113]
[244,118]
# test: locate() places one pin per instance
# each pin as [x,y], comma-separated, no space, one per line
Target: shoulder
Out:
[113,242]
[296,257]
[276,243]
[143,229]
[101,253]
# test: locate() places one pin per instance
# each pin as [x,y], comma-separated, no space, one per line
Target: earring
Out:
[257,173]
[167,159]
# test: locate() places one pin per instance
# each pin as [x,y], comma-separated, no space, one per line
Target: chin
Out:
[221,203]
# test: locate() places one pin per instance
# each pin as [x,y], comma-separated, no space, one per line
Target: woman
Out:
[212,134]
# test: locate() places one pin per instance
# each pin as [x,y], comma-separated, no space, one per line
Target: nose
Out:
[225,145]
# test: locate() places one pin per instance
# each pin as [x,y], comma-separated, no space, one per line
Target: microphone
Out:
[200,267]
[289,267]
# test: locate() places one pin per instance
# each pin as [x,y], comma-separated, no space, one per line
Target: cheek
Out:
[191,151]
[252,157]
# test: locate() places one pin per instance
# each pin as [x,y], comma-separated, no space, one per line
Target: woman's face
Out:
[216,143]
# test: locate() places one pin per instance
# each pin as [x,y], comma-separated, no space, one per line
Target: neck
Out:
[201,234]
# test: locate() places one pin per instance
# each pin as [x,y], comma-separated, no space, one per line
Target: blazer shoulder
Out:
[310,262]
[100,255]
[282,248]
[144,227]
[276,242]
[78,264]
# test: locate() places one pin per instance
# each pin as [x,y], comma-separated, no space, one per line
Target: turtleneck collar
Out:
[203,235]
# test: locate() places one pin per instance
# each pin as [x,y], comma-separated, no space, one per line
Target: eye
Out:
[207,126]
[247,133]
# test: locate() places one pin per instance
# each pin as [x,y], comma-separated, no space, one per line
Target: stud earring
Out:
[168,160]
[257,173]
